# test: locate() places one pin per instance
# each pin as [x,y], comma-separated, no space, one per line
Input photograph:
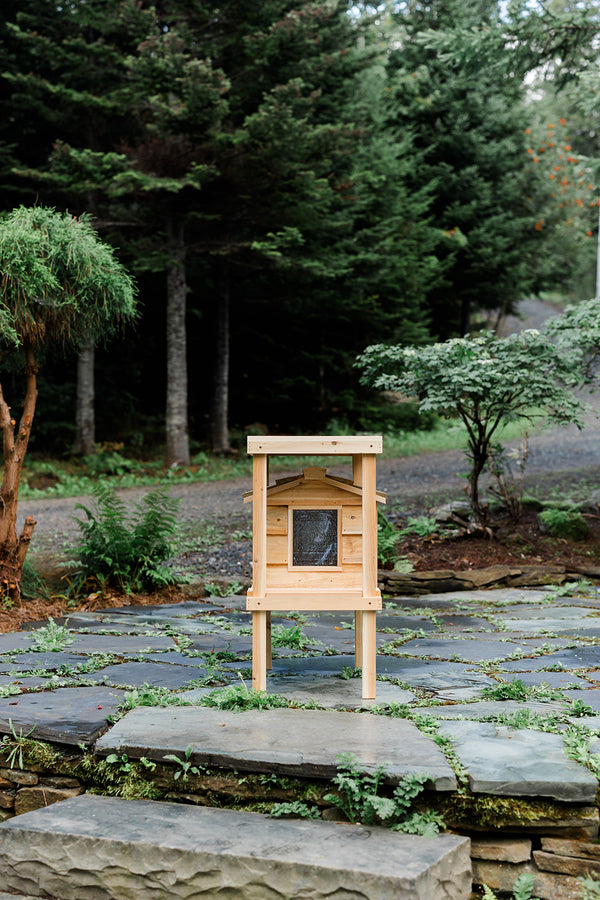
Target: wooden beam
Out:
[313,445]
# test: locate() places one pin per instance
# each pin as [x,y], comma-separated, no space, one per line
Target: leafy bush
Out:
[127,552]
[564,523]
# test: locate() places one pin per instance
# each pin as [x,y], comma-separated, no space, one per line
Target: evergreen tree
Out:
[466,114]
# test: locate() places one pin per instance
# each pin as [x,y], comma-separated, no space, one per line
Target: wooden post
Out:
[369,660]
[259,570]
[259,650]
[369,514]
[269,653]
[358,638]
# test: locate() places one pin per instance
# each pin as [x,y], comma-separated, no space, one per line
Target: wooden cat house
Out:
[315,543]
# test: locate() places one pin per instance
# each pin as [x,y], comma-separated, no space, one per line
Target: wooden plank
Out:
[317,600]
[259,524]
[277,520]
[369,656]
[277,549]
[351,520]
[315,445]
[316,498]
[351,549]
[269,647]
[259,650]
[321,577]
[357,470]
[369,511]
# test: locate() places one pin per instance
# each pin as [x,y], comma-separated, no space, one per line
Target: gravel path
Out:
[561,458]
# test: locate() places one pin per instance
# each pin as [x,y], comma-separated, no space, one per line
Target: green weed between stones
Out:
[52,637]
[361,797]
[522,888]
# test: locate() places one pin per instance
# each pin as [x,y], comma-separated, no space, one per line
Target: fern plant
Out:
[359,797]
[124,551]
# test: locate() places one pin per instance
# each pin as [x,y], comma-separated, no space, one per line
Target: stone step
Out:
[302,743]
[106,848]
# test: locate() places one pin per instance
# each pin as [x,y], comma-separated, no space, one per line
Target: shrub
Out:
[128,552]
[564,523]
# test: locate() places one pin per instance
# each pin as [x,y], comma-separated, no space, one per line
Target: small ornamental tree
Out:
[579,326]
[485,382]
[58,284]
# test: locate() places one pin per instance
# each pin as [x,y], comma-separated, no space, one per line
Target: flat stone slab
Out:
[524,763]
[106,847]
[429,674]
[298,742]
[473,650]
[158,674]
[484,708]
[70,715]
[50,660]
[123,645]
[335,693]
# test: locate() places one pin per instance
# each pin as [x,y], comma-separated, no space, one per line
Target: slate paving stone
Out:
[135,674]
[553,679]
[470,650]
[428,674]
[590,698]
[335,693]
[584,656]
[460,622]
[14,640]
[122,646]
[507,762]
[433,601]
[68,715]
[24,684]
[535,663]
[48,659]
[490,708]
[234,643]
[297,742]
[552,625]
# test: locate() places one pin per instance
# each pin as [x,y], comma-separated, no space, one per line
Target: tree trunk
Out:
[13,549]
[85,425]
[178,445]
[219,422]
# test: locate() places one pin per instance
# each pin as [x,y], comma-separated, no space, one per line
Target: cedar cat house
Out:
[315,542]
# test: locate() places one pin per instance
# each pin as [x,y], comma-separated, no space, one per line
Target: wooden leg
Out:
[369,667]
[358,632]
[259,650]
[269,656]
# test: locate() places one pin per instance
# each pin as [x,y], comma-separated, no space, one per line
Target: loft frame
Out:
[363,599]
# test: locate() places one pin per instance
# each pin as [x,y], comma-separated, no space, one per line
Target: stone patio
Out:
[441,659]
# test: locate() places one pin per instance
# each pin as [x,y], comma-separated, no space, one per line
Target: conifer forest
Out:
[279,184]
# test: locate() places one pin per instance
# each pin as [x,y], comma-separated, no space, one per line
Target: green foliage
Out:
[151,695]
[359,796]
[239,697]
[296,809]
[52,636]
[512,690]
[522,888]
[219,590]
[485,382]
[60,282]
[292,637]
[564,523]
[127,551]
[590,888]
[185,767]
